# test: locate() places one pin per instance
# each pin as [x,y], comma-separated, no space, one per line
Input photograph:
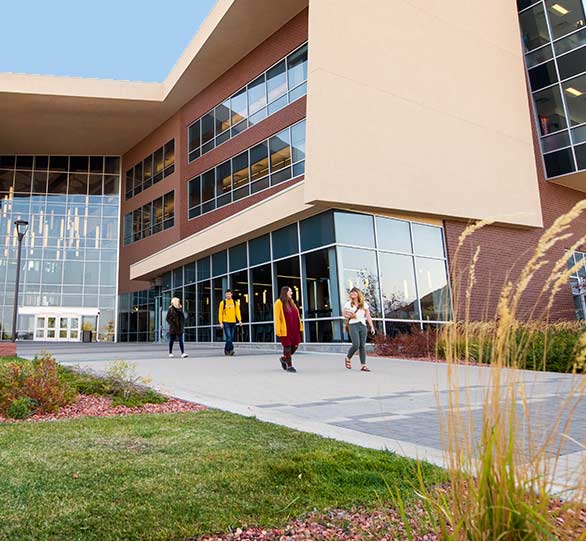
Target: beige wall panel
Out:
[408,110]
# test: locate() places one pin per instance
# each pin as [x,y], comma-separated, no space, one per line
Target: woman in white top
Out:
[357,313]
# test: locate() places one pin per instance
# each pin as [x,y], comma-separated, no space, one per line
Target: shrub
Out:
[37,380]
[414,343]
[534,345]
[19,409]
[120,382]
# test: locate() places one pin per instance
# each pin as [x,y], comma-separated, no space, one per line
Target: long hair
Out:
[360,297]
[285,299]
[176,302]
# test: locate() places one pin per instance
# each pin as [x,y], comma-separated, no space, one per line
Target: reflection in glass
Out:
[239,286]
[550,110]
[354,229]
[428,240]
[287,273]
[432,281]
[276,81]
[575,95]
[398,286]
[262,294]
[358,269]
[204,303]
[321,284]
[565,16]
[534,32]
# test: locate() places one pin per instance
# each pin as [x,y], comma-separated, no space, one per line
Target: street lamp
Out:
[21,229]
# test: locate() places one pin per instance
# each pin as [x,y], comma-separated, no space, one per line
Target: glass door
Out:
[40,328]
[57,328]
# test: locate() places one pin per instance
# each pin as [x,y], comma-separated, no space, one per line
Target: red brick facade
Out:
[277,46]
[7,350]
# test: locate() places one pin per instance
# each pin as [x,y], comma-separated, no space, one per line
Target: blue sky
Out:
[115,39]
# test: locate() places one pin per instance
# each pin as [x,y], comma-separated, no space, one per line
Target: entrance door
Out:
[57,328]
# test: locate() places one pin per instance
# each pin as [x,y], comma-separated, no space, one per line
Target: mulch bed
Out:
[380,524]
[100,406]
[337,524]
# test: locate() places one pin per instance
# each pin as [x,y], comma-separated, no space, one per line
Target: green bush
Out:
[536,346]
[20,409]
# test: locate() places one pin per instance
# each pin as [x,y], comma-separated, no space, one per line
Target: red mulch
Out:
[100,406]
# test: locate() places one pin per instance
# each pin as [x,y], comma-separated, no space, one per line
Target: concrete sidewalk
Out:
[394,407]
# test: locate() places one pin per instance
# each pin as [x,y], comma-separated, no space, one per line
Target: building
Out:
[314,144]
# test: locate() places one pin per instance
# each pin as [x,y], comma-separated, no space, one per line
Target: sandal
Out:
[348,363]
[365,369]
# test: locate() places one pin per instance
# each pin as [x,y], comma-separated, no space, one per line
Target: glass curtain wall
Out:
[553,36]
[70,253]
[400,266]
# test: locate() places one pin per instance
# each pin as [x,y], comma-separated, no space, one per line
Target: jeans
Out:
[172,339]
[358,338]
[229,330]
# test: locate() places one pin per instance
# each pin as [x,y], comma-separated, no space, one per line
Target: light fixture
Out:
[573,91]
[21,228]
[560,9]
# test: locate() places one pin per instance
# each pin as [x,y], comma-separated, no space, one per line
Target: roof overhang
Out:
[69,115]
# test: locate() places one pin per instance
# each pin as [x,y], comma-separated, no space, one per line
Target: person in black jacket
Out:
[176,321]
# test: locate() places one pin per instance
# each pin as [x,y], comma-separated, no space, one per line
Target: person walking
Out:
[358,314]
[288,327]
[176,321]
[228,316]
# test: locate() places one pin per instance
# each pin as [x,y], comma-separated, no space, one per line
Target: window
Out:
[575,95]
[149,219]
[321,284]
[249,172]
[559,163]
[358,268]
[354,229]
[432,280]
[272,90]
[285,241]
[534,32]
[398,287]
[151,170]
[428,240]
[317,231]
[262,293]
[543,76]
[564,17]
[550,110]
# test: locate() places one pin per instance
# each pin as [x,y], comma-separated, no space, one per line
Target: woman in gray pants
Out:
[357,313]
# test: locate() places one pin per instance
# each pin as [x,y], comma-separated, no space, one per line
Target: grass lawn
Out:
[174,476]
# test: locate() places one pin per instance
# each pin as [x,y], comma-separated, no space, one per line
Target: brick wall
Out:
[7,350]
[505,251]
[277,46]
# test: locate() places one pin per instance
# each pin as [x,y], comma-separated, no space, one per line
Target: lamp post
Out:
[21,229]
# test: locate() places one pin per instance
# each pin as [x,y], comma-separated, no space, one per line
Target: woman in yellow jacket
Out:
[228,315]
[288,327]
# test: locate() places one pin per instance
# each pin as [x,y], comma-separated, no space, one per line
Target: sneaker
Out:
[184,355]
[171,356]
[291,369]
[283,363]
[231,353]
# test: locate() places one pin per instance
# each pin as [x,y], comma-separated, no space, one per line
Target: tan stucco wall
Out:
[420,106]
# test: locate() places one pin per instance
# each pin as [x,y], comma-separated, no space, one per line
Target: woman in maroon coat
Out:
[288,326]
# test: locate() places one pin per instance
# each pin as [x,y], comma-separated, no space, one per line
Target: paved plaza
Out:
[395,407]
